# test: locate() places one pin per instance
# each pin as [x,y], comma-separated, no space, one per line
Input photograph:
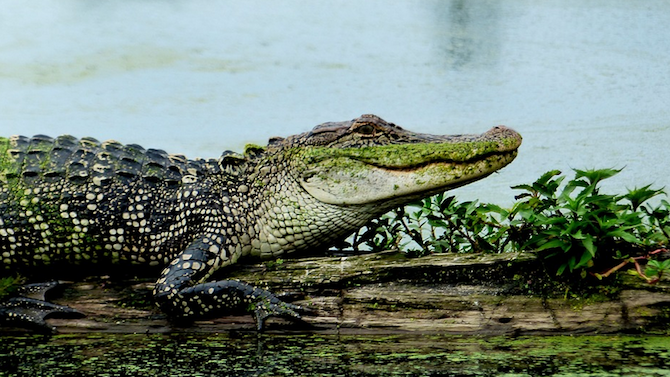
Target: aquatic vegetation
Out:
[330,355]
[575,226]
[653,272]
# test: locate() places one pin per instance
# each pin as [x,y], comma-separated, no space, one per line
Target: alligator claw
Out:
[29,312]
[275,308]
[29,309]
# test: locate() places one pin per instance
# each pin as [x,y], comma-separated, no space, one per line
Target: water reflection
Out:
[471,33]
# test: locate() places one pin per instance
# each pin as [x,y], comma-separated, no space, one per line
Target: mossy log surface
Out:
[389,293]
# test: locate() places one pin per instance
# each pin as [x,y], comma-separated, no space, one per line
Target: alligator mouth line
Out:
[508,155]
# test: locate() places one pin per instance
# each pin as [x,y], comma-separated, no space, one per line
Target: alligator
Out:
[71,206]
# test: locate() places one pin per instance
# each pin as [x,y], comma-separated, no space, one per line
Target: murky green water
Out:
[330,355]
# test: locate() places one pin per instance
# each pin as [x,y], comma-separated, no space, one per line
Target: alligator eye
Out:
[366,129]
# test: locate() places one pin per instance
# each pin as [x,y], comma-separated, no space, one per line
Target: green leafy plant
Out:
[437,224]
[656,269]
[579,226]
[573,224]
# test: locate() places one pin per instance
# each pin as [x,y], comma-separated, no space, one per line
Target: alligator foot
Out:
[273,307]
[29,309]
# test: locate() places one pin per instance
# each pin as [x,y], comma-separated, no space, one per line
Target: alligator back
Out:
[67,202]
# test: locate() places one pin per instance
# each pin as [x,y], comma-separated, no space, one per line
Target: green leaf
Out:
[523,187]
[637,196]
[578,235]
[561,268]
[587,242]
[584,260]
[596,175]
[628,237]
[555,243]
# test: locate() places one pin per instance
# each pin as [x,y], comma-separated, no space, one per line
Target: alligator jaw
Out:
[373,184]
[397,173]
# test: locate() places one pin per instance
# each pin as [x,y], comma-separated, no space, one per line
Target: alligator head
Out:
[370,161]
[338,176]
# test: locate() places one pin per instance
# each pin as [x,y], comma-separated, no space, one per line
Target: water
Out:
[586,84]
[331,355]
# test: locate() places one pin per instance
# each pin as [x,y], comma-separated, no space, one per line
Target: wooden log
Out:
[389,293]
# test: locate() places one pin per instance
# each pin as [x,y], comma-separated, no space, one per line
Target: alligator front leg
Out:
[181,293]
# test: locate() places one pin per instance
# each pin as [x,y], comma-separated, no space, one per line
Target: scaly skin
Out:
[69,205]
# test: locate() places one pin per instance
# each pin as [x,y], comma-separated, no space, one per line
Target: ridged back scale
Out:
[67,202]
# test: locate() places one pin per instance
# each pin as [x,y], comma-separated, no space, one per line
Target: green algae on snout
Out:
[409,155]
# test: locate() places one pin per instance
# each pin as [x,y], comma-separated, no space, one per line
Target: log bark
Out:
[390,293]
